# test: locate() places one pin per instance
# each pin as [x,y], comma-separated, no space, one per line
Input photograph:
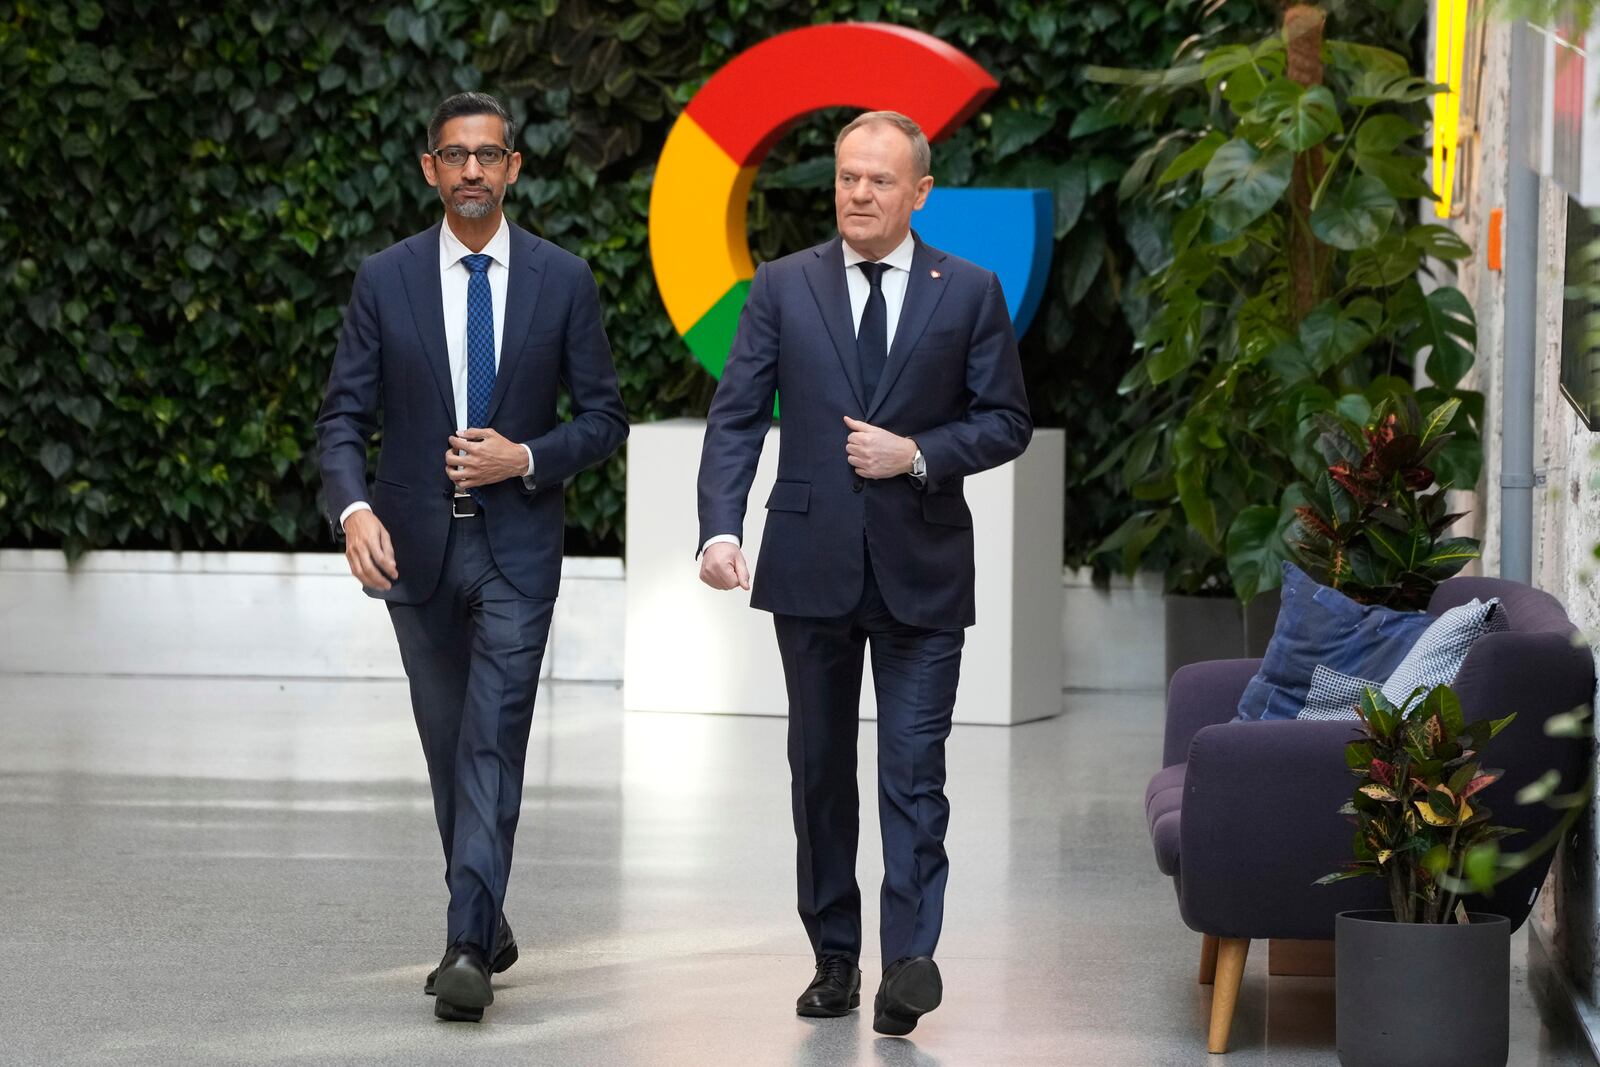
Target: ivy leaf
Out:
[1071,193]
[395,24]
[1092,120]
[56,458]
[1015,129]
[1082,257]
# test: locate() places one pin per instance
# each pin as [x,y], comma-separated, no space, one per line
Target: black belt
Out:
[463,506]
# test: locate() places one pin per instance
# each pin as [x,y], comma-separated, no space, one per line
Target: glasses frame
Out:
[472,153]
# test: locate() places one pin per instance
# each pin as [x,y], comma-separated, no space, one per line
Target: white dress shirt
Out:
[894,283]
[453,278]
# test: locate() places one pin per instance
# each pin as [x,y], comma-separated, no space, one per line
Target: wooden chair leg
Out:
[1208,959]
[1231,953]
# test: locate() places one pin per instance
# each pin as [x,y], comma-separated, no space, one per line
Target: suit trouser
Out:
[472,653]
[915,671]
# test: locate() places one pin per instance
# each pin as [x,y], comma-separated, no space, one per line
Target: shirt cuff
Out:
[359,505]
[720,539]
[527,479]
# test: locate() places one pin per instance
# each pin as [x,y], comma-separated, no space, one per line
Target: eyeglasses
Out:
[489,155]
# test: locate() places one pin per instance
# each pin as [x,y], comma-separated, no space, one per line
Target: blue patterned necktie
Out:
[872,336]
[480,340]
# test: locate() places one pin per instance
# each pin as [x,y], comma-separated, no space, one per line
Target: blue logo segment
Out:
[1008,231]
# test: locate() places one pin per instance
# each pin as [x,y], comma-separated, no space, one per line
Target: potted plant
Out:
[1426,982]
[1291,287]
[1367,525]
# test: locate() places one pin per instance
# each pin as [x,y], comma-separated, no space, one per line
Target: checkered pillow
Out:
[1334,695]
[1433,660]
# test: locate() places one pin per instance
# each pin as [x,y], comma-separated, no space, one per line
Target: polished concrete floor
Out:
[204,872]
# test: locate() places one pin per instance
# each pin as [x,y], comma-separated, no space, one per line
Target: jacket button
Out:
[855,486]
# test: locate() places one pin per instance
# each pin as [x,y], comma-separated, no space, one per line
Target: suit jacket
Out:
[392,356]
[953,382]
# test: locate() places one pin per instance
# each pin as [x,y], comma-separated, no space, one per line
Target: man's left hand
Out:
[877,453]
[482,457]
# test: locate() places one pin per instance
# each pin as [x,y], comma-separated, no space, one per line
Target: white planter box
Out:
[300,615]
[250,614]
[694,649]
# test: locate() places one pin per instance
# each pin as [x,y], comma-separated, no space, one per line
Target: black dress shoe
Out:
[462,988]
[833,992]
[910,989]
[505,954]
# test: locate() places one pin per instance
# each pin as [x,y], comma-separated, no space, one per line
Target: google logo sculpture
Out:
[698,242]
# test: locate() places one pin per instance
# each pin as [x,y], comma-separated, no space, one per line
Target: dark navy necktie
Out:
[872,338]
[480,340]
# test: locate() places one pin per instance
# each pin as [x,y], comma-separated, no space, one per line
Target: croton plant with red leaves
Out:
[1421,825]
[1370,527]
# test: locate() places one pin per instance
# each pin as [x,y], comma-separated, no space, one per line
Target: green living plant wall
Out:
[193,186]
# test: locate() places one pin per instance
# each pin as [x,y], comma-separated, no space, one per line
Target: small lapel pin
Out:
[935,273]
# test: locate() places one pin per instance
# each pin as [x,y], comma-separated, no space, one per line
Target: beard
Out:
[476,208]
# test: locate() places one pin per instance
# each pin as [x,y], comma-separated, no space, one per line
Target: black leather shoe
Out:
[462,987]
[910,989]
[505,954]
[833,992]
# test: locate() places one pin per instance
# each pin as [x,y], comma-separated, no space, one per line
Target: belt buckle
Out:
[462,506]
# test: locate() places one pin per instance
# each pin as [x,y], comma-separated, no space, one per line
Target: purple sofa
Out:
[1244,815]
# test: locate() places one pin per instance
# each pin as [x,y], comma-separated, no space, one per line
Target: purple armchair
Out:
[1244,815]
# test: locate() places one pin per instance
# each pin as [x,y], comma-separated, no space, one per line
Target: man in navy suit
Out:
[462,337]
[898,376]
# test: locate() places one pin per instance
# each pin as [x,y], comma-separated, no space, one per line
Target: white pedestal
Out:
[690,648]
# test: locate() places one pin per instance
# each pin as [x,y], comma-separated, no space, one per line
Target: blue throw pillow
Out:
[1320,626]
[1435,659]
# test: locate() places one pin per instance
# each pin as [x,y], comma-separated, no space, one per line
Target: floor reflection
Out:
[204,872]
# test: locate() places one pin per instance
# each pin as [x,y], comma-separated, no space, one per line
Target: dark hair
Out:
[463,104]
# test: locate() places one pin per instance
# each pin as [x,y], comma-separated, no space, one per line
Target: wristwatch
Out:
[919,466]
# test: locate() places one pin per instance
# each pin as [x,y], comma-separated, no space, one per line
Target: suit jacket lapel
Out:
[425,294]
[524,280]
[923,292]
[825,274]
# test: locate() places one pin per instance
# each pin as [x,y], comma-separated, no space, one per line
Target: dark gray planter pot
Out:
[1216,627]
[1422,994]
[1260,619]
